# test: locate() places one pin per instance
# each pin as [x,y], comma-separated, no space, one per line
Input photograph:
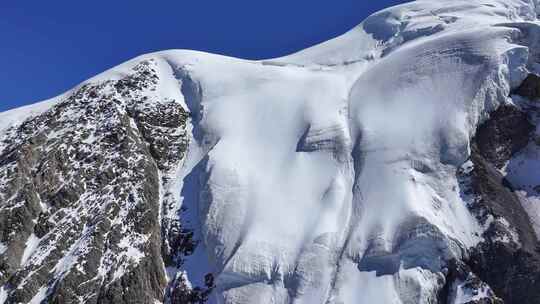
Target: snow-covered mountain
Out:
[398,163]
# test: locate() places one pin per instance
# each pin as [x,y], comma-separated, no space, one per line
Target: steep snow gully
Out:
[355,171]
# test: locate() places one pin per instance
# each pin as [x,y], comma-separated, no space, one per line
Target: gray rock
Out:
[510,267]
[530,87]
[81,181]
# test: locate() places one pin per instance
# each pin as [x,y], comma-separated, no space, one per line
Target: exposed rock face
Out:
[508,259]
[80,189]
[530,88]
[505,133]
[462,283]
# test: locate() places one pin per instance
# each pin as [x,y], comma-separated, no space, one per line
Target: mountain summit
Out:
[398,163]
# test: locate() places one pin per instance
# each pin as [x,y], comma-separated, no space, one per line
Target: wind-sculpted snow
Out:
[350,172]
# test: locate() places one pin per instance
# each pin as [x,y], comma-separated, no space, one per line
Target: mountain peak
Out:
[388,165]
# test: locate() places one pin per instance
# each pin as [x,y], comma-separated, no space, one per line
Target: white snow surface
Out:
[16,116]
[3,294]
[40,296]
[32,244]
[464,295]
[304,171]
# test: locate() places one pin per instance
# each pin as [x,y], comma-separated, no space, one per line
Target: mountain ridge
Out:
[378,167]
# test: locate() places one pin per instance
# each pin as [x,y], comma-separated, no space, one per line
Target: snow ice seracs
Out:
[329,176]
[397,99]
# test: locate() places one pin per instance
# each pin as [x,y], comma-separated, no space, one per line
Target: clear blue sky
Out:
[48,47]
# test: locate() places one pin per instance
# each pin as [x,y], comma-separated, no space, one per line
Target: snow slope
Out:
[329,176]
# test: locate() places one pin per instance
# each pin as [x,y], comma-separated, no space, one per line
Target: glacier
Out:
[331,175]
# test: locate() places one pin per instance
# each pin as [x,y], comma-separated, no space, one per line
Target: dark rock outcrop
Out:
[508,259]
[80,194]
[506,132]
[530,87]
